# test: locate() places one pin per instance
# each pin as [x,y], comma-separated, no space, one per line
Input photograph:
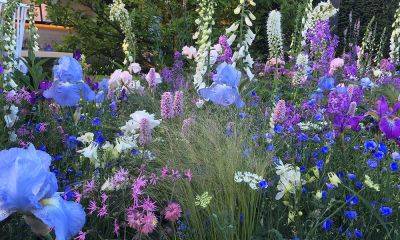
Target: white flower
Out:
[134,123]
[274,31]
[12,137]
[90,151]
[289,181]
[125,143]
[199,103]
[107,185]
[302,59]
[134,68]
[119,78]
[232,28]
[11,118]
[86,138]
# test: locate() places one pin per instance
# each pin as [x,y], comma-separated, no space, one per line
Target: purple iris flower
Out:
[389,122]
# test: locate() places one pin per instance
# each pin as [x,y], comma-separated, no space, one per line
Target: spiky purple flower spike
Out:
[144,132]
[178,103]
[167,110]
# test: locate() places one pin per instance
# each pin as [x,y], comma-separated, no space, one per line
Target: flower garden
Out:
[215,145]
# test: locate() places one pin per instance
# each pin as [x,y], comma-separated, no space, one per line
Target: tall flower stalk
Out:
[119,14]
[33,31]
[204,22]
[274,31]
[242,28]
[395,38]
[9,42]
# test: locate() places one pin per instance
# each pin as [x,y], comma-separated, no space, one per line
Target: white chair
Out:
[20,16]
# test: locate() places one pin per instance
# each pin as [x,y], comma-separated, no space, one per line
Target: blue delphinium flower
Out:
[386,211]
[224,91]
[351,215]
[28,186]
[68,86]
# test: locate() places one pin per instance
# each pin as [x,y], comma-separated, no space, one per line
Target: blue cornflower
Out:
[330,135]
[315,154]
[72,142]
[359,185]
[370,145]
[33,189]
[373,164]
[42,148]
[303,169]
[386,211]
[396,156]
[135,152]
[58,157]
[325,149]
[324,195]
[270,147]
[351,176]
[99,138]
[302,137]
[278,129]
[351,199]
[318,117]
[379,155]
[327,225]
[351,215]
[263,184]
[383,148]
[394,166]
[316,138]
[358,233]
[96,122]
[320,164]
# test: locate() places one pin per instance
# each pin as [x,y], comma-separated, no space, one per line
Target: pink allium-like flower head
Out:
[167,105]
[173,212]
[148,205]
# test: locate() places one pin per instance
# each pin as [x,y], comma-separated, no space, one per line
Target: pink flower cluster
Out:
[172,105]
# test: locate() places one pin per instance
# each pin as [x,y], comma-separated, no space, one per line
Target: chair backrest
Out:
[20,16]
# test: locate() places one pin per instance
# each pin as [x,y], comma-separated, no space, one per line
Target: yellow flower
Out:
[318,195]
[203,200]
[334,179]
[371,184]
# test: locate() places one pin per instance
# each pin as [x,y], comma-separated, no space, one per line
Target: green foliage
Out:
[161,27]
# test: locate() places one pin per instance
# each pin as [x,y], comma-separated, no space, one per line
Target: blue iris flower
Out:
[326,83]
[27,185]
[103,91]
[366,82]
[68,86]
[224,91]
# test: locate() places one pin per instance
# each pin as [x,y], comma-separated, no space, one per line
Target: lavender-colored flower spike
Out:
[178,103]
[167,110]
[144,132]
[153,78]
